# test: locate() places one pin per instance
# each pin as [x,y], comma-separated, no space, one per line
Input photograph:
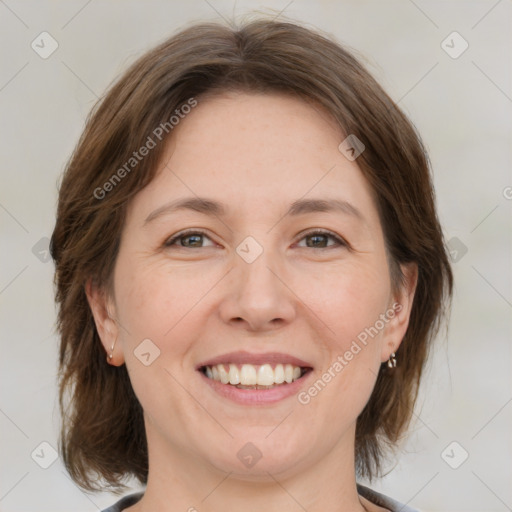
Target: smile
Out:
[250,376]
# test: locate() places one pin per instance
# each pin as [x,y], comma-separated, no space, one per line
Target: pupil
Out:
[317,237]
[192,237]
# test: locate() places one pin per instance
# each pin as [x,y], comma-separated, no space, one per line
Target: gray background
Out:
[462,107]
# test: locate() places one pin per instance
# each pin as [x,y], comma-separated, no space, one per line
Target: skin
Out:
[256,154]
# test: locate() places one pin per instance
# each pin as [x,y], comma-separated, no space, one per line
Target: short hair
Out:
[102,432]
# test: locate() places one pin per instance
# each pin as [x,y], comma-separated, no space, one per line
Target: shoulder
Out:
[125,502]
[383,501]
[378,499]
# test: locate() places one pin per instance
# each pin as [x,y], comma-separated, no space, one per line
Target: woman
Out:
[250,271]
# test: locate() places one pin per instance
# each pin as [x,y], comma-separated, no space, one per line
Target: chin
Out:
[259,458]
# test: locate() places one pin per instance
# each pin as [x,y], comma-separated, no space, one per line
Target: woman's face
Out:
[283,263]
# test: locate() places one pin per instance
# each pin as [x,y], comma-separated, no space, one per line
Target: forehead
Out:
[256,152]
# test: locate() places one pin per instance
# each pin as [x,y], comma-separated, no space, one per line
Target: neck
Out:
[181,480]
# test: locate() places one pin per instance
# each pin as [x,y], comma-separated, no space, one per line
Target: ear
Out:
[399,310]
[103,311]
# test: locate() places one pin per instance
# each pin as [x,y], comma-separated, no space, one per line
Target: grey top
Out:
[365,492]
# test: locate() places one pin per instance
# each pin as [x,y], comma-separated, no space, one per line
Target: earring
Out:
[392,360]
[111,355]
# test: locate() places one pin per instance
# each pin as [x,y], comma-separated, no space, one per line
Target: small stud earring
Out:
[392,360]
[111,355]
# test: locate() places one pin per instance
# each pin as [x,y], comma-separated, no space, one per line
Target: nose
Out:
[257,297]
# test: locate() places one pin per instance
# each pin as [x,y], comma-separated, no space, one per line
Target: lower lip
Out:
[256,396]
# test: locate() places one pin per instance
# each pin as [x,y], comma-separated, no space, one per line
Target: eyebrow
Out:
[214,208]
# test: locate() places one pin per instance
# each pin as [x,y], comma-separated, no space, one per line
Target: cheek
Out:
[168,305]
[154,303]
[349,303]
[347,300]
[157,304]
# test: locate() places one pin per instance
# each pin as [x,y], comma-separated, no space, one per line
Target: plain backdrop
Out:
[459,98]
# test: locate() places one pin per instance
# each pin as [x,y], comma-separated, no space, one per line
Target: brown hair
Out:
[102,426]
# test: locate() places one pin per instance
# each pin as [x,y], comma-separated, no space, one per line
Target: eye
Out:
[194,239]
[191,238]
[319,240]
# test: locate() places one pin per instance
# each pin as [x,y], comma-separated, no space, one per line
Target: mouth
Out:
[252,379]
[251,376]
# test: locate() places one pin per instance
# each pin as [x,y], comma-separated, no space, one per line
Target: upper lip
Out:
[241,357]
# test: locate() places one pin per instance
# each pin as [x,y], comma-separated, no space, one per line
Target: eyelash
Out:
[339,241]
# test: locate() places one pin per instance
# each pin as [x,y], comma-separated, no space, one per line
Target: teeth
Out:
[224,375]
[234,374]
[288,373]
[248,375]
[265,375]
[253,375]
[279,374]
